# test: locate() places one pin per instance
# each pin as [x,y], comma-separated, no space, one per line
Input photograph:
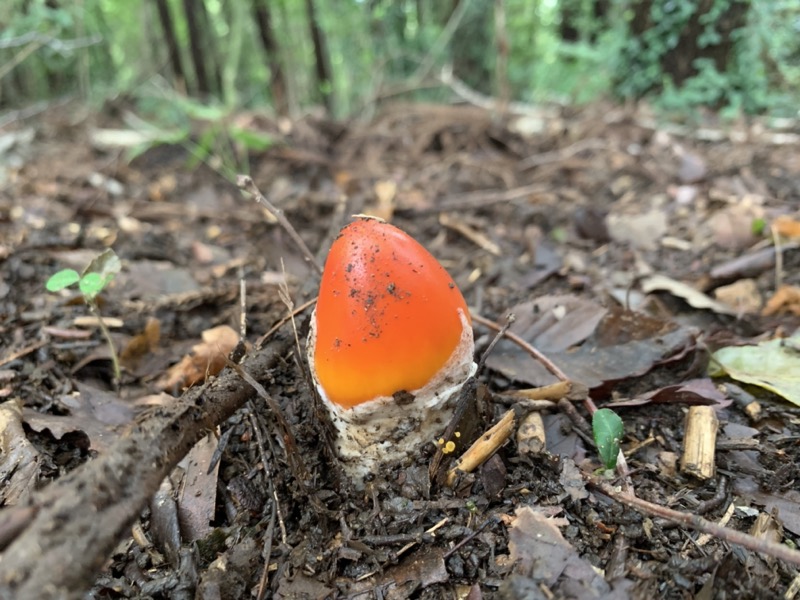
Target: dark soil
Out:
[576,214]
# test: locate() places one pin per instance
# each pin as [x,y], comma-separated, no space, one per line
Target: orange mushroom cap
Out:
[388,317]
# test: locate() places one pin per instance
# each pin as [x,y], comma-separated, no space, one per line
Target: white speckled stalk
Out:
[384,430]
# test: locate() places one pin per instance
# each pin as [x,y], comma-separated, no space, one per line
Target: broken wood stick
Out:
[531,438]
[699,442]
[484,447]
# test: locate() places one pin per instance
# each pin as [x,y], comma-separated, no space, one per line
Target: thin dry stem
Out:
[246,184]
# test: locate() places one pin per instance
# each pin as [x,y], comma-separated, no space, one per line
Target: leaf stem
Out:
[106,334]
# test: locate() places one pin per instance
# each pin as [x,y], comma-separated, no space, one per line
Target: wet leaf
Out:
[773,365]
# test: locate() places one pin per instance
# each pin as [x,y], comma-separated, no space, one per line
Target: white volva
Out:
[383,430]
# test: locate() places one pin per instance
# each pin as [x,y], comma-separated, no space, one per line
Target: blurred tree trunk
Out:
[502,45]
[203,60]
[581,21]
[321,58]
[470,44]
[212,58]
[173,51]
[693,42]
[277,78]
[569,16]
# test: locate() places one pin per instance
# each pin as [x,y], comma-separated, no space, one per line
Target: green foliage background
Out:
[100,48]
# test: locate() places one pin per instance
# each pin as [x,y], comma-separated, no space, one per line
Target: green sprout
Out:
[607,429]
[95,277]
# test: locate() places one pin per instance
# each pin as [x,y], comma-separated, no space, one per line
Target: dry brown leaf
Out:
[385,192]
[142,343]
[206,359]
[786,299]
[473,235]
[742,296]
[786,226]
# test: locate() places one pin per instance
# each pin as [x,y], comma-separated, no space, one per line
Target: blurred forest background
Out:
[175,58]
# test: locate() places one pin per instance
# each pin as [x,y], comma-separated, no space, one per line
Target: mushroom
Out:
[390,345]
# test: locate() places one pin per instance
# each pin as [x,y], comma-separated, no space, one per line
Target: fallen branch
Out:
[76,521]
[745,540]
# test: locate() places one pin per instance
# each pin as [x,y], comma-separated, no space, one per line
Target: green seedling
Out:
[607,429]
[95,277]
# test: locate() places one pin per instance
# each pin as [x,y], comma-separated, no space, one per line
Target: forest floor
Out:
[628,250]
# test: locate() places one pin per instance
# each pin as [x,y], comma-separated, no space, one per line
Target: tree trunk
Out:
[173,51]
[197,50]
[679,62]
[277,78]
[321,58]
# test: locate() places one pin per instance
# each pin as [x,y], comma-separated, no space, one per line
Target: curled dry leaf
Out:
[693,297]
[787,227]
[694,391]
[742,296]
[786,299]
[206,359]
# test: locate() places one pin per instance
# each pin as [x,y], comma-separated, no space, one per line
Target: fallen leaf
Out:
[571,479]
[692,296]
[742,296]
[198,494]
[205,360]
[732,227]
[773,365]
[555,323]
[692,392]
[142,343]
[99,414]
[786,299]
[540,552]
[786,226]
[643,231]
[625,344]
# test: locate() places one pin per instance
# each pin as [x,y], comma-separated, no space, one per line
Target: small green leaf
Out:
[62,279]
[607,429]
[757,226]
[92,284]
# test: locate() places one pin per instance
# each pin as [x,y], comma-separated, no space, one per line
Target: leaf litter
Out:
[538,229]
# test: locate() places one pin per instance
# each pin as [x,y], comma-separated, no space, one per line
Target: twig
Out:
[509,320]
[246,184]
[484,447]
[106,334]
[490,521]
[745,540]
[303,307]
[546,362]
[268,535]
